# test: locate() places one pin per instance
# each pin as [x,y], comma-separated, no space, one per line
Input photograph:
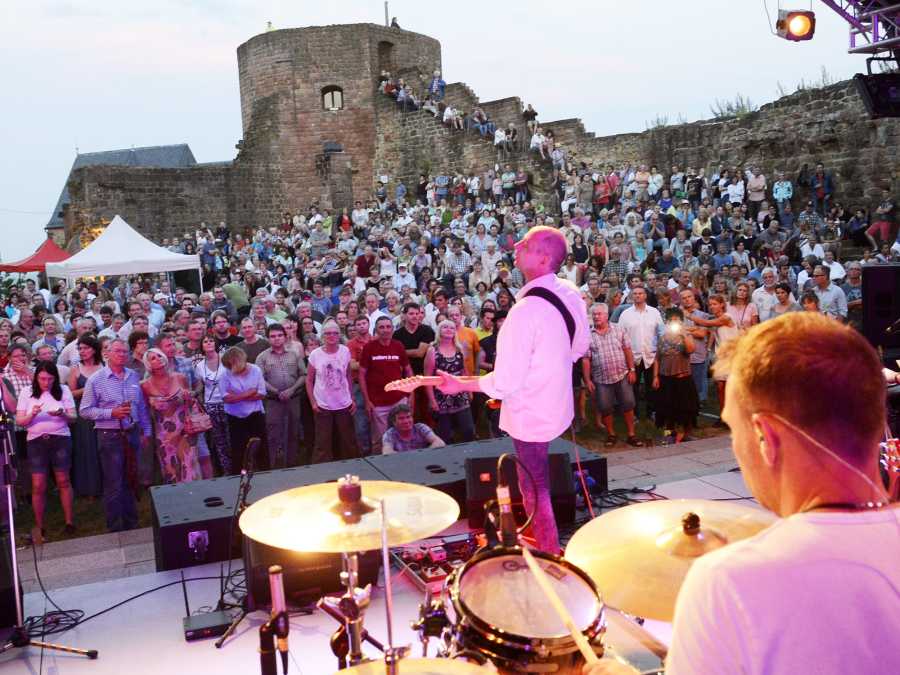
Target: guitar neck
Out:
[411,383]
[433,380]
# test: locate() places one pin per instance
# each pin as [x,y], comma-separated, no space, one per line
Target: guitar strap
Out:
[553,299]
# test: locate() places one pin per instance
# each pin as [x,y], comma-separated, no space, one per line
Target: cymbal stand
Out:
[350,608]
[352,605]
[392,655]
[340,645]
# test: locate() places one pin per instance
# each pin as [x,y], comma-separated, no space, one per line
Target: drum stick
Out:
[583,646]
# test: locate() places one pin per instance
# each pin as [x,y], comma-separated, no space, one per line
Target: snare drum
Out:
[500,612]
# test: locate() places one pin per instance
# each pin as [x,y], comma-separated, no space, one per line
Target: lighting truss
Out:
[874,25]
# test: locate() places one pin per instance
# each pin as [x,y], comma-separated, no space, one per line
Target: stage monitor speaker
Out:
[444,468]
[307,576]
[481,486]
[191,521]
[880,93]
[881,305]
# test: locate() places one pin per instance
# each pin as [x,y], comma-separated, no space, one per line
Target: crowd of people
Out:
[120,383]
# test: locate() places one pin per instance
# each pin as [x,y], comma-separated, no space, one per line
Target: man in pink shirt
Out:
[533,370]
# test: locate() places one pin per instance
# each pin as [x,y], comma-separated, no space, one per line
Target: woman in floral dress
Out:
[170,400]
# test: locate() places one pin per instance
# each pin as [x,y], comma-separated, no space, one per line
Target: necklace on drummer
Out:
[848,506]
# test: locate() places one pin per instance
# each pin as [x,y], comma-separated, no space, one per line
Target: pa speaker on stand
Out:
[881,309]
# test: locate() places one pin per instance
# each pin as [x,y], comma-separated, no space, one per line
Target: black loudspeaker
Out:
[444,469]
[191,521]
[881,305]
[307,576]
[481,486]
[880,93]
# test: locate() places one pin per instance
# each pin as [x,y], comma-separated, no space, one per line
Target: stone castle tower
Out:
[309,113]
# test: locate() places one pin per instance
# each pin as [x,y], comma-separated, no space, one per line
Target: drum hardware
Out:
[310,519]
[339,642]
[353,603]
[432,622]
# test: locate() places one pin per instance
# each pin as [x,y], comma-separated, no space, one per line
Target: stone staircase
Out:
[417,142]
[826,125]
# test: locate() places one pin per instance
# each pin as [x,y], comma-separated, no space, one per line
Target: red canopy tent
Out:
[48,252]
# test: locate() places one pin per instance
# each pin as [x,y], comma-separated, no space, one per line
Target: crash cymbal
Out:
[420,667]
[638,555]
[310,518]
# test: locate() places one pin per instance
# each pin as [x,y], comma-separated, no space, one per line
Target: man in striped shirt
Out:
[609,373]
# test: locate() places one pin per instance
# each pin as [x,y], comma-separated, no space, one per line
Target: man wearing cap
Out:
[811,217]
[345,296]
[403,277]
[491,257]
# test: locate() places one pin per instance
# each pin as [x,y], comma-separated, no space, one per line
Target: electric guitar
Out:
[410,384]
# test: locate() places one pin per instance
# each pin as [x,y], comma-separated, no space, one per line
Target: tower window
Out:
[332,98]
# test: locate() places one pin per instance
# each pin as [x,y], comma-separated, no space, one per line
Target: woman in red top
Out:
[344,221]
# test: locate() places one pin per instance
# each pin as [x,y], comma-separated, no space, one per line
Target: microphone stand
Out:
[19,637]
[267,663]
[243,490]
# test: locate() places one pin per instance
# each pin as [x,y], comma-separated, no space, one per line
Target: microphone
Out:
[508,534]
[279,620]
[893,327]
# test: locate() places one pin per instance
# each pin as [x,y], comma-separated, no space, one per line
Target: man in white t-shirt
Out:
[643,324]
[818,591]
[329,386]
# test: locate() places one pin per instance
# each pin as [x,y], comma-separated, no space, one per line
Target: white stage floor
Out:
[145,636]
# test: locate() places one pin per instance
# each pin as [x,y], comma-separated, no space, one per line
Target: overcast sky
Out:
[97,75]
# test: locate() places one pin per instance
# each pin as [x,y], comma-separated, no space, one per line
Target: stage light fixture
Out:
[795,25]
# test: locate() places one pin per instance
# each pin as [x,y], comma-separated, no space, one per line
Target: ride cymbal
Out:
[638,555]
[314,519]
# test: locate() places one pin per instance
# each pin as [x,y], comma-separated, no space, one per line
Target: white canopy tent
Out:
[120,249]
